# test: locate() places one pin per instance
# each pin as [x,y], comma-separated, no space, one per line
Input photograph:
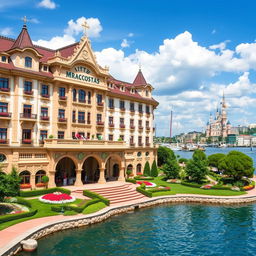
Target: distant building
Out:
[239,130]
[219,126]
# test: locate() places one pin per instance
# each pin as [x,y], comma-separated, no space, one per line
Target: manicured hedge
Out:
[131,180]
[77,209]
[153,190]
[143,178]
[221,187]
[141,190]
[95,195]
[193,185]
[17,216]
[23,201]
[39,192]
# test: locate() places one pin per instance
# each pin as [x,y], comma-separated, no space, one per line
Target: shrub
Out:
[128,172]
[141,189]
[154,170]
[17,216]
[69,213]
[214,159]
[23,201]
[183,160]
[164,154]
[95,195]
[146,169]
[189,184]
[131,180]
[143,178]
[43,191]
[171,169]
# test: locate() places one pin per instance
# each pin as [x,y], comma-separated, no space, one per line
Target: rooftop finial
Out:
[85,26]
[139,66]
[25,20]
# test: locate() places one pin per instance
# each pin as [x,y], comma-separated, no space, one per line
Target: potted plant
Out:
[128,173]
[51,136]
[45,180]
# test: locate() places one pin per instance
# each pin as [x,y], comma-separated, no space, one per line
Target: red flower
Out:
[57,197]
[145,182]
[39,185]
[25,186]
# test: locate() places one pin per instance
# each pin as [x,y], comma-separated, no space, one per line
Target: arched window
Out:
[129,167]
[74,94]
[39,176]
[28,62]
[2,158]
[138,169]
[139,154]
[147,153]
[25,177]
[82,96]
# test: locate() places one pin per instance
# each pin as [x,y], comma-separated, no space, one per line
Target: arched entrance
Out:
[65,172]
[138,169]
[112,169]
[91,171]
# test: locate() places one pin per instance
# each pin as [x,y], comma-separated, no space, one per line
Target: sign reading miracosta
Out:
[64,116]
[80,77]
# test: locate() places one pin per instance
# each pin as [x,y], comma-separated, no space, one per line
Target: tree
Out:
[164,154]
[154,170]
[45,180]
[214,159]
[237,165]
[197,167]
[146,169]
[171,169]
[183,160]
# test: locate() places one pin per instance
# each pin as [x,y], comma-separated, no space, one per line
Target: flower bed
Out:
[249,187]
[40,185]
[147,184]
[23,186]
[208,186]
[57,198]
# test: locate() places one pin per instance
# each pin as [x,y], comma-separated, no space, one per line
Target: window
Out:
[44,112]
[3,134]
[45,68]
[61,135]
[99,117]
[111,103]
[132,139]
[25,177]
[88,118]
[132,106]
[4,58]
[27,86]
[147,110]
[147,124]
[74,116]
[140,140]
[131,122]
[45,90]
[74,94]
[27,110]
[121,104]
[122,121]
[147,140]
[43,134]
[26,136]
[110,137]
[82,96]
[2,158]
[88,135]
[111,120]
[89,97]
[147,153]
[28,62]
[140,108]
[122,137]
[138,168]
[3,107]
[61,113]
[139,154]
[147,93]
[81,117]
[62,92]
[4,83]
[39,176]
[99,98]
[140,123]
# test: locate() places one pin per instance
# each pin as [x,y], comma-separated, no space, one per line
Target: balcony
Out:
[62,119]
[147,144]
[148,113]
[122,126]
[140,112]
[5,115]
[100,104]
[29,93]
[122,109]
[100,123]
[81,121]
[132,111]
[132,144]
[62,98]
[148,128]
[4,141]
[45,118]
[111,125]
[140,127]
[27,141]
[47,96]
[28,116]
[132,127]
[4,89]
[84,144]
[140,144]
[81,101]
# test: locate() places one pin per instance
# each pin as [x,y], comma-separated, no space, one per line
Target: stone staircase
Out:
[118,194]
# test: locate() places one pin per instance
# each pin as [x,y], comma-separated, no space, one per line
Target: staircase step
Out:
[125,200]
[120,196]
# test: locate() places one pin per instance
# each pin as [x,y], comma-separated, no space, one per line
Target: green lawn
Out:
[43,210]
[181,189]
[94,208]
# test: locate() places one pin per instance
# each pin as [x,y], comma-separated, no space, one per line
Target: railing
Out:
[5,114]
[26,141]
[122,126]
[132,144]
[140,127]
[80,121]
[100,123]
[148,144]
[62,97]
[132,127]
[5,89]
[62,119]
[111,107]
[140,144]
[4,141]
[45,118]
[28,116]
[132,110]
[100,104]
[148,128]
[28,92]
[45,95]
[111,125]
[122,109]
[81,101]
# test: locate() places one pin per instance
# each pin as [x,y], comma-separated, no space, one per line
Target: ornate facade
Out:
[219,126]
[63,115]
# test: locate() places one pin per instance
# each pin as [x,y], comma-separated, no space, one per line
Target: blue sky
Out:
[190,51]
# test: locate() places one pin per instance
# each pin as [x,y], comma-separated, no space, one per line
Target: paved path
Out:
[14,234]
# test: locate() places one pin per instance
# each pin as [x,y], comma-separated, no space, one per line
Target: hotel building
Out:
[63,115]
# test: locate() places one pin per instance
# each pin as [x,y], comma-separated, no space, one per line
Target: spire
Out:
[23,40]
[223,101]
[139,79]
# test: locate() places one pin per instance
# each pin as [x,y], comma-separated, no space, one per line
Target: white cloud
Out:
[48,4]
[125,43]
[6,31]
[130,35]
[221,46]
[73,29]
[214,31]
[33,20]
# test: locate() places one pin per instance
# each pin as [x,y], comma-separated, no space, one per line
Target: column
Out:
[51,183]
[14,139]
[121,174]
[79,178]
[33,181]
[102,179]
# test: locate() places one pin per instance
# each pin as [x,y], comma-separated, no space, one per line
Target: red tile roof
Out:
[23,40]
[139,79]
